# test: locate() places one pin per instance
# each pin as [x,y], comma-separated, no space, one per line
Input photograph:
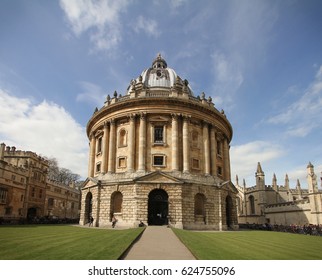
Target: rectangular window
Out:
[8,211]
[219,171]
[122,162]
[158,134]
[158,160]
[98,167]
[33,192]
[195,163]
[50,202]
[3,196]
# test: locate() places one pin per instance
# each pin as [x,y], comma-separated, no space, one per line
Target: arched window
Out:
[88,206]
[200,200]
[251,204]
[219,148]
[229,211]
[122,138]
[116,203]
[195,138]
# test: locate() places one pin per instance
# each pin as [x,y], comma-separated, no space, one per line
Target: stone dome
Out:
[160,76]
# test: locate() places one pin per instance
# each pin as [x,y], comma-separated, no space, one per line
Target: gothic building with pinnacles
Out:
[280,204]
[159,155]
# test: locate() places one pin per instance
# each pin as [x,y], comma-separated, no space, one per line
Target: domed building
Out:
[160,155]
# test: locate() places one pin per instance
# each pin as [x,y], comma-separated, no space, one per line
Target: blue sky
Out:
[260,61]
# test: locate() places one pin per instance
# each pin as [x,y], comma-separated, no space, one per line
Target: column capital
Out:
[105,124]
[220,136]
[91,135]
[186,118]
[131,116]
[142,115]
[174,116]
[205,123]
[213,128]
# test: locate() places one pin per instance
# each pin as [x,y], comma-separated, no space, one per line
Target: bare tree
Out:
[61,175]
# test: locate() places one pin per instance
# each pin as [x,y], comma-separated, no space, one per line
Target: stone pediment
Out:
[90,182]
[229,186]
[158,177]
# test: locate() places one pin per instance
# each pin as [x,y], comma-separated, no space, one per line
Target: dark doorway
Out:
[88,207]
[32,214]
[229,208]
[158,207]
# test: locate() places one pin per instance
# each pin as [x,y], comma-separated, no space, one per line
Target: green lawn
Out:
[251,245]
[63,242]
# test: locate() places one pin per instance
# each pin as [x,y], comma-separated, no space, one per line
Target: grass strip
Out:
[251,245]
[64,242]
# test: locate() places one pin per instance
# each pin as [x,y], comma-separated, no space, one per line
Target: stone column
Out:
[185,136]
[213,151]
[142,142]
[206,148]
[131,142]
[112,147]
[175,154]
[91,163]
[226,159]
[105,147]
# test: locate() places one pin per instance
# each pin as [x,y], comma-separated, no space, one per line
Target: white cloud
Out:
[304,115]
[244,157]
[149,26]
[44,128]
[242,48]
[228,76]
[101,18]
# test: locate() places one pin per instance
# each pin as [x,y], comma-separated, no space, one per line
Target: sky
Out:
[260,61]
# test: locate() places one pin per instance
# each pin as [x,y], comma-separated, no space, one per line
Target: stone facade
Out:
[25,192]
[280,204]
[159,155]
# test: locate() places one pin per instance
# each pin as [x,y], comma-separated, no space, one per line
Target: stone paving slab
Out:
[158,243]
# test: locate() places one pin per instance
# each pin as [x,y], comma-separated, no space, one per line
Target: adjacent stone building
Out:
[25,192]
[159,154]
[280,204]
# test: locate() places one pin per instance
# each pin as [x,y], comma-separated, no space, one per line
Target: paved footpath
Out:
[158,243]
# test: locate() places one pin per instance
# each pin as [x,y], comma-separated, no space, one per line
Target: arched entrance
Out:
[158,207]
[32,214]
[229,210]
[88,207]
[116,204]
